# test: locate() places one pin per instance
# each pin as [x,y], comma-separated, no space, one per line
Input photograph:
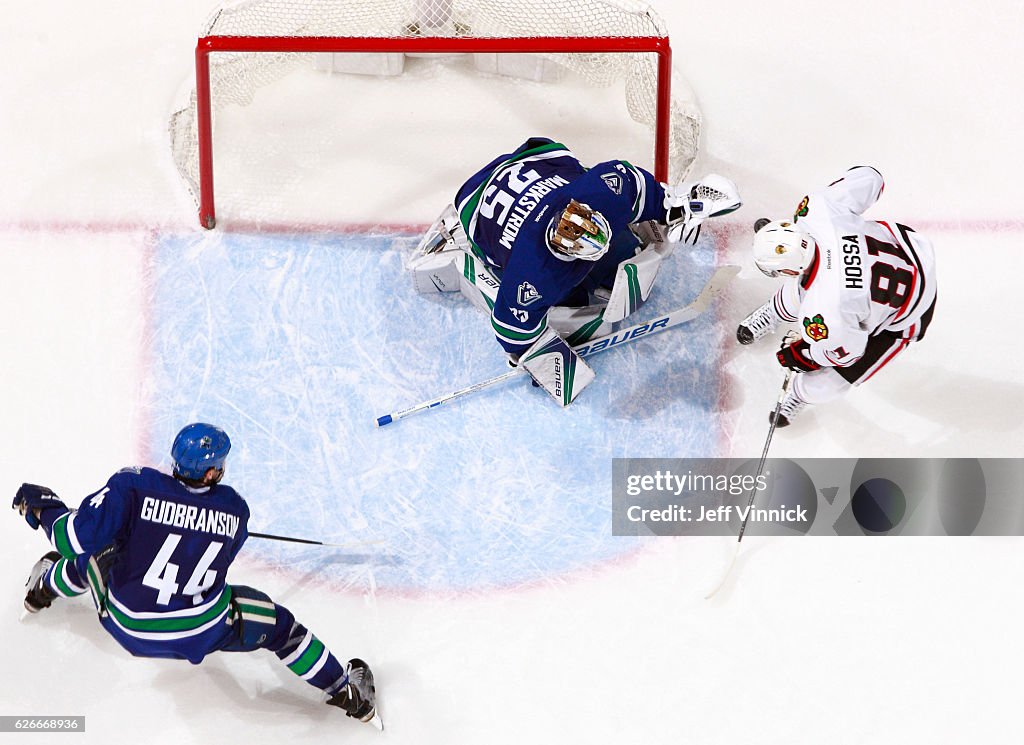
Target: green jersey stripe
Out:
[97,586]
[177,623]
[223,619]
[309,658]
[61,582]
[518,337]
[59,536]
[256,610]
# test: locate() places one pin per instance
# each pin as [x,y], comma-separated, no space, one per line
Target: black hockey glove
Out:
[32,500]
[794,354]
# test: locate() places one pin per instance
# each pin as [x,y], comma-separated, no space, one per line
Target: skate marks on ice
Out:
[292,343]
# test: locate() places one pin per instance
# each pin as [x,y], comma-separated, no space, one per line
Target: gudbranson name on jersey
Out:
[189,517]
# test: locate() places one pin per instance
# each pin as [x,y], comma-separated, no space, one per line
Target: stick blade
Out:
[725,575]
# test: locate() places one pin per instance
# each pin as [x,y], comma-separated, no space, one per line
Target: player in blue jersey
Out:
[555,251]
[154,550]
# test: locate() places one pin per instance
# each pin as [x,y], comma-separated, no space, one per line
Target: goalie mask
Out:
[579,233]
[781,248]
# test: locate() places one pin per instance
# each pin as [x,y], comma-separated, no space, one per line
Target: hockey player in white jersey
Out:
[861,291]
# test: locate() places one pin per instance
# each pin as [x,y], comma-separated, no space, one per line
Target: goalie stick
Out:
[715,285]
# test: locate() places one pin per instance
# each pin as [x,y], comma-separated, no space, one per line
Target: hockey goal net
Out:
[248,45]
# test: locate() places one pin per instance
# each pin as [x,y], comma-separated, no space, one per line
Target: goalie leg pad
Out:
[634,280]
[436,264]
[478,283]
[436,272]
[556,368]
[578,325]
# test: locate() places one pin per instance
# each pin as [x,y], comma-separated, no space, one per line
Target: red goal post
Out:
[676,127]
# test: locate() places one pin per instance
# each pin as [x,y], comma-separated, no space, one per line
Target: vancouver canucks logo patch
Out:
[527,294]
[613,181]
[801,209]
[816,328]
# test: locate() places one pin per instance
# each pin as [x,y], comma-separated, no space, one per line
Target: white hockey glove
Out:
[688,205]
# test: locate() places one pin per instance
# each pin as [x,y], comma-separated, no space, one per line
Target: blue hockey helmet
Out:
[579,233]
[198,448]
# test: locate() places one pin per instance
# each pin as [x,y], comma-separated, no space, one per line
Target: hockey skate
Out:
[40,596]
[761,322]
[790,408]
[358,698]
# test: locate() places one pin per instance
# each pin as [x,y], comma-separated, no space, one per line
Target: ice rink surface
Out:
[485,588]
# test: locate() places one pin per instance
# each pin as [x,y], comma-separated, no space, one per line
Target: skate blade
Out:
[376,721]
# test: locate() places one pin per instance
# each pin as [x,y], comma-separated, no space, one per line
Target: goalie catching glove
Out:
[688,205]
[555,367]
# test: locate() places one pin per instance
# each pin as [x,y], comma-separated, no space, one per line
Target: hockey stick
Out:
[721,278]
[270,537]
[753,491]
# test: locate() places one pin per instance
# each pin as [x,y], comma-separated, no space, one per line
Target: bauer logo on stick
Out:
[816,328]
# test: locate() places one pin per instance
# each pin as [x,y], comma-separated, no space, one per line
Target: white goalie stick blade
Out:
[718,282]
[725,575]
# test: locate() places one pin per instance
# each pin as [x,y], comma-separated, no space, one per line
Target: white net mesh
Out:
[235,77]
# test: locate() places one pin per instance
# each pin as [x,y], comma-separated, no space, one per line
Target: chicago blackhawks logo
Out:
[801,209]
[816,328]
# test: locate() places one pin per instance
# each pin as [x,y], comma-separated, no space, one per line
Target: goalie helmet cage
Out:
[249,44]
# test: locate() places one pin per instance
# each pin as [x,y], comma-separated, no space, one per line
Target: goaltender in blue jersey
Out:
[555,252]
[153,549]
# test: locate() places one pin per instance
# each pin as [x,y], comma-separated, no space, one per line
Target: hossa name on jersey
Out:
[864,278]
[167,550]
[506,208]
